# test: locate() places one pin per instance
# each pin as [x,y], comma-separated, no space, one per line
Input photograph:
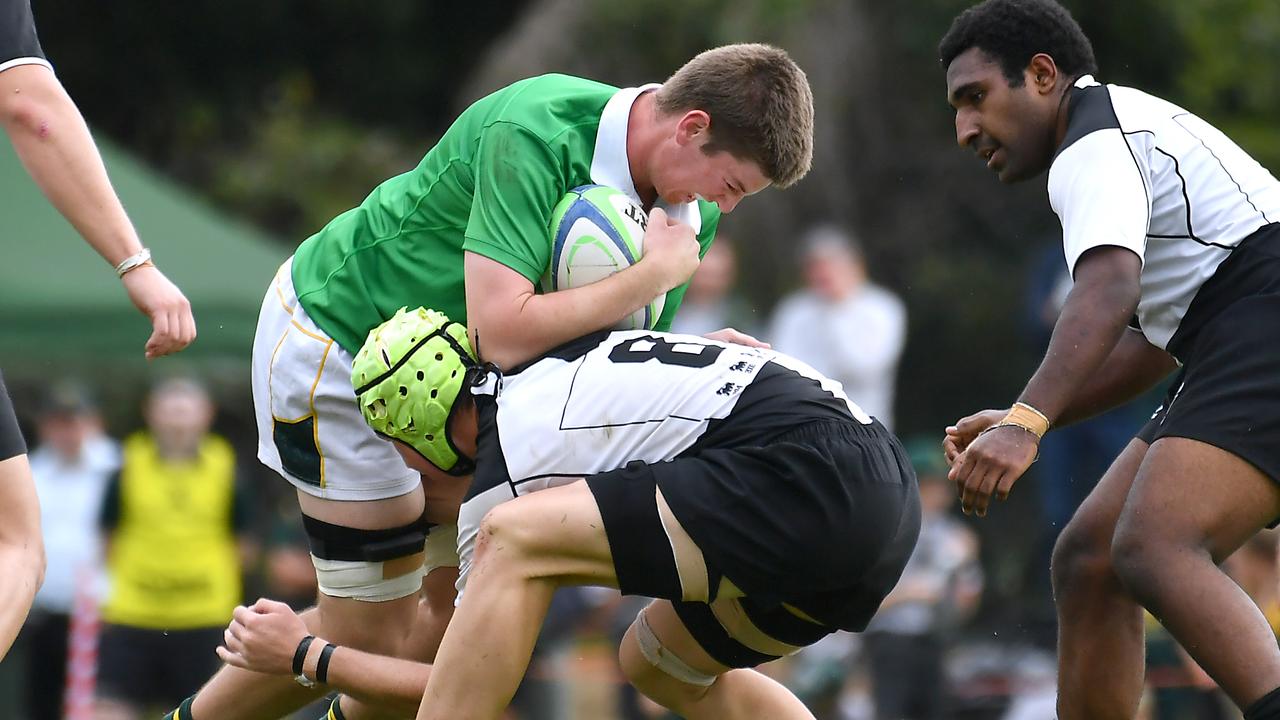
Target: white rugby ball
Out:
[595,232]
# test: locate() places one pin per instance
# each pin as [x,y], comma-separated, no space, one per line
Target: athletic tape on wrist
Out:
[300,655]
[322,666]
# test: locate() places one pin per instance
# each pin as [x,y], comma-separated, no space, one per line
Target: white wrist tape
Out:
[138,259]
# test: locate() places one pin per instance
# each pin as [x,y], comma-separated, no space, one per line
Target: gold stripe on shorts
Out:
[733,618]
[691,566]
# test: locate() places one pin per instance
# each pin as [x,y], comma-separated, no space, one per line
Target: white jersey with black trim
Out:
[635,395]
[609,399]
[1141,173]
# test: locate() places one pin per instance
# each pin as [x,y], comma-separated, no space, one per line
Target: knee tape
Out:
[663,659]
[370,581]
[369,565]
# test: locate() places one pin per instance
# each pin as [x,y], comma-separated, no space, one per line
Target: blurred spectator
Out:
[173,520]
[71,465]
[843,325]
[907,639]
[712,301]
[289,575]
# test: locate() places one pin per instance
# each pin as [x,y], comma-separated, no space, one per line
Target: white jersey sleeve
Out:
[1098,188]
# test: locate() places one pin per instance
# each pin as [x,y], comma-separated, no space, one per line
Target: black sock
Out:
[1266,708]
[183,712]
[335,710]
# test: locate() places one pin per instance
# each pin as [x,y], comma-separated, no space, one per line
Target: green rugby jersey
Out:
[487,187]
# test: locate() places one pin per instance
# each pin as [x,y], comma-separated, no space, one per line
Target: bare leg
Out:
[1191,506]
[736,693]
[376,627]
[525,548]
[435,608]
[1100,633]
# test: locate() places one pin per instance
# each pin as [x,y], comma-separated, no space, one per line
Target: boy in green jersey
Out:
[466,232]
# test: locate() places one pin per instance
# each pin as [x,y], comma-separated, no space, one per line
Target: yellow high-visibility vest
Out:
[173,561]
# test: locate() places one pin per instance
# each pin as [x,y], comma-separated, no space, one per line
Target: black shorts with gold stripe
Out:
[766,548]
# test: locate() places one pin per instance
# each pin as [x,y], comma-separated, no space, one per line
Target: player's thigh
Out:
[557,532]
[673,637]
[1211,475]
[1090,530]
[1191,493]
[377,627]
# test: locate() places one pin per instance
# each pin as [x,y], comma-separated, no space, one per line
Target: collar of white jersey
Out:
[1085,81]
[609,165]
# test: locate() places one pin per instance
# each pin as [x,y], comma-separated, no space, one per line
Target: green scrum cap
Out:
[407,377]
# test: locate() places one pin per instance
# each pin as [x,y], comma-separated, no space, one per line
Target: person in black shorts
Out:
[1172,234]
[736,484]
[52,140]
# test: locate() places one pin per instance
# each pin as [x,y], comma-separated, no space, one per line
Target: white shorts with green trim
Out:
[309,426]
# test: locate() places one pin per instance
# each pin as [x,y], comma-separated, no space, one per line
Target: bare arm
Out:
[511,324]
[21,548]
[1133,367]
[54,144]
[1093,319]
[262,638]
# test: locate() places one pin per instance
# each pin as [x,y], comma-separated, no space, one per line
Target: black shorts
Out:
[11,442]
[822,519]
[161,668]
[1228,392]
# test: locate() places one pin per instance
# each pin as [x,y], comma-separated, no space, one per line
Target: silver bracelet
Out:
[137,259]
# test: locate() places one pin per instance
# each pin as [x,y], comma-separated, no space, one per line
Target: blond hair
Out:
[760,105]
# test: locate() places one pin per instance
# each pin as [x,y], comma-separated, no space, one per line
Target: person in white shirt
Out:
[1172,235]
[843,325]
[71,466]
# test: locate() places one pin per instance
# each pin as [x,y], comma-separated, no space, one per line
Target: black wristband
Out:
[322,666]
[300,655]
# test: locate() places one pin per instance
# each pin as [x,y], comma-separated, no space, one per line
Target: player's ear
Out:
[1042,73]
[691,126]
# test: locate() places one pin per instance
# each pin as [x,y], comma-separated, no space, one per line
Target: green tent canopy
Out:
[60,303]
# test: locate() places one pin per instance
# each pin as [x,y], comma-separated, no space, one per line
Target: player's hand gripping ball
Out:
[595,232]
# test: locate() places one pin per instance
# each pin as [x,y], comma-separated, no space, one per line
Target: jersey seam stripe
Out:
[544,476]
[1186,197]
[379,241]
[564,410]
[1186,200]
[1221,165]
[422,198]
[1147,190]
[634,422]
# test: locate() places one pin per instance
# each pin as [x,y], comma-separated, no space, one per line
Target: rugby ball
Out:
[595,232]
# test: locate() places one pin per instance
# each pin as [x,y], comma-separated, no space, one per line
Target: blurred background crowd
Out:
[232,130]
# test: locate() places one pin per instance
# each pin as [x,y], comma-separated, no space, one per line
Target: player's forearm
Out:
[21,548]
[391,683]
[534,324]
[22,569]
[54,144]
[1133,367]
[1093,319]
